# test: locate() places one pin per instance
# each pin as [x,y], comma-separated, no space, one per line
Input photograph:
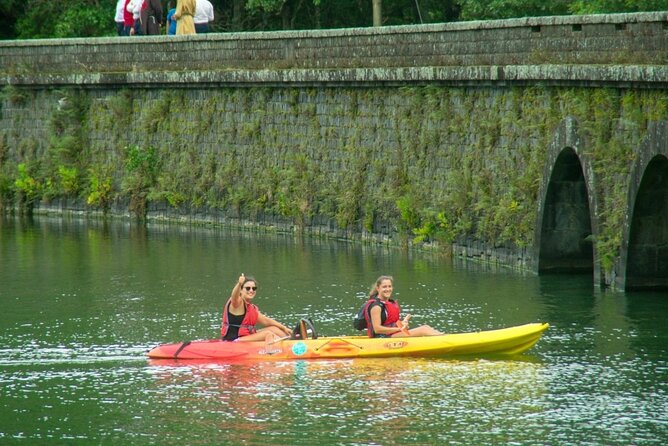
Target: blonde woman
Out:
[382,314]
[185,11]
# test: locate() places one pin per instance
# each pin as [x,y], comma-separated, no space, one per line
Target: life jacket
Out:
[247,325]
[389,315]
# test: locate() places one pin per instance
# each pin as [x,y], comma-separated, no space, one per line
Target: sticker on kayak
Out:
[396,344]
[299,348]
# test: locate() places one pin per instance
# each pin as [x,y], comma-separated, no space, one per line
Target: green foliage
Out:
[6,189]
[6,172]
[292,189]
[504,9]
[100,187]
[351,189]
[121,107]
[68,126]
[13,94]
[612,6]
[71,18]
[409,216]
[142,166]
[435,227]
[142,161]
[69,180]
[266,5]
[155,113]
[26,185]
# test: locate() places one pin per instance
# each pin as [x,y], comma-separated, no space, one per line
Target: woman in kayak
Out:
[382,314]
[240,316]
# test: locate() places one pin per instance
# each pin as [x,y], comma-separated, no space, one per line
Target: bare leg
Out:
[422,330]
[267,334]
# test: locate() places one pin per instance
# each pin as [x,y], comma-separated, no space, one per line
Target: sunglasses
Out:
[248,288]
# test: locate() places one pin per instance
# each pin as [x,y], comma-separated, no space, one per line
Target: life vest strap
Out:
[180,349]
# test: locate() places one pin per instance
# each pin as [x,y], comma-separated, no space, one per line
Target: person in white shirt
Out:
[120,21]
[203,16]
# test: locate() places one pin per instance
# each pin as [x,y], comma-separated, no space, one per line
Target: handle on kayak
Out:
[183,345]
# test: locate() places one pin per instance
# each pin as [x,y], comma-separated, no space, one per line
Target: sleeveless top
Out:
[235,326]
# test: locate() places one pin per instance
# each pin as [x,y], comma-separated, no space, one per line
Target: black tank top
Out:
[235,321]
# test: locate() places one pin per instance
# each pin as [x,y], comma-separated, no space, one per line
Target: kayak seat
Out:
[303,329]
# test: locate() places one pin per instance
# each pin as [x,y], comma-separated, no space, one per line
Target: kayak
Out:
[505,342]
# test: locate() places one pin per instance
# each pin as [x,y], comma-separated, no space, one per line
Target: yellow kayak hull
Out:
[505,341]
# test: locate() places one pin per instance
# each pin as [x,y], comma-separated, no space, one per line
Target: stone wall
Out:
[603,39]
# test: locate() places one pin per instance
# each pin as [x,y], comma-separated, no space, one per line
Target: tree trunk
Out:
[377,13]
[238,15]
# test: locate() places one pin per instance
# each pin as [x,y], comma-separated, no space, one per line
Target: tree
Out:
[611,6]
[65,18]
[505,9]
[377,6]
[10,11]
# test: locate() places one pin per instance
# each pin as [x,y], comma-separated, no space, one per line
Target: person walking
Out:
[119,18]
[128,19]
[171,21]
[151,17]
[185,11]
[203,16]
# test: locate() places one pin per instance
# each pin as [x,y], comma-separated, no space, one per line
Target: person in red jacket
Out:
[240,316]
[128,20]
[383,314]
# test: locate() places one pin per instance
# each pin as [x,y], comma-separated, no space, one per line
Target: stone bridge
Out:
[538,143]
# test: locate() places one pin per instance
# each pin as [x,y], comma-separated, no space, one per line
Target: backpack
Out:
[359,321]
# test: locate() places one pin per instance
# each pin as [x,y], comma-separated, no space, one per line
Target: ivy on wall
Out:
[420,164]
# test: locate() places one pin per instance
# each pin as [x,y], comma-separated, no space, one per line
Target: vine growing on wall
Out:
[142,167]
[428,164]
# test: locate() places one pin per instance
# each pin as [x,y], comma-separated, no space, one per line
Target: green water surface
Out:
[82,302]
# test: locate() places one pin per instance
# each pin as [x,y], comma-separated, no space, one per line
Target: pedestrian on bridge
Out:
[185,11]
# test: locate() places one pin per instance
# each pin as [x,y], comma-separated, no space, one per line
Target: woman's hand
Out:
[242,279]
[403,325]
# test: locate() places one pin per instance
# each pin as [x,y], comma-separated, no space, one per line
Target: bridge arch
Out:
[644,250]
[565,227]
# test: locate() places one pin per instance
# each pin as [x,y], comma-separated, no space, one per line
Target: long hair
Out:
[373,293]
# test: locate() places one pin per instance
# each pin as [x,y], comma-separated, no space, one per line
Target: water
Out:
[82,303]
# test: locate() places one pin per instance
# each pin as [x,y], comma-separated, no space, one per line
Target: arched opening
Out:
[565,240]
[647,259]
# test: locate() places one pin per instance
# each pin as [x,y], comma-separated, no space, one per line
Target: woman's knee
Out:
[273,330]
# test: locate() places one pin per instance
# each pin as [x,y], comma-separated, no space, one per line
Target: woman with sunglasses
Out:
[240,316]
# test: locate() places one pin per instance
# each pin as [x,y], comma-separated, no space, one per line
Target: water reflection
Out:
[402,401]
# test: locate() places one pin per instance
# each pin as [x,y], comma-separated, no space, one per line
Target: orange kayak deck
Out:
[505,341]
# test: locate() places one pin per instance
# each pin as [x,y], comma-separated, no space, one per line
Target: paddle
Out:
[278,340]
